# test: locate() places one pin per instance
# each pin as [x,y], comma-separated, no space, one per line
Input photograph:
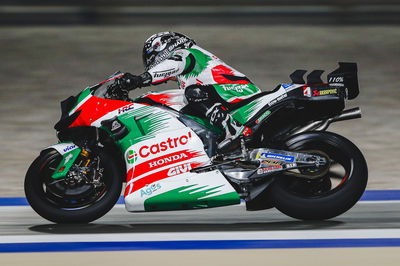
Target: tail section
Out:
[345,77]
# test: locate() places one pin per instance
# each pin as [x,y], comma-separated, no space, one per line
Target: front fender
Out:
[70,152]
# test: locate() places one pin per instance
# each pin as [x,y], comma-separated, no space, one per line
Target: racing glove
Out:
[128,82]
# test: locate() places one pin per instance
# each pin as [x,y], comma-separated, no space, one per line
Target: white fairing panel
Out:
[162,167]
[63,148]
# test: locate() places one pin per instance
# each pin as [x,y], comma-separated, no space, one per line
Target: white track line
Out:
[196,236]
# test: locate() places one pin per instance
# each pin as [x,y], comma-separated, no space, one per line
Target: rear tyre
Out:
[59,202]
[330,195]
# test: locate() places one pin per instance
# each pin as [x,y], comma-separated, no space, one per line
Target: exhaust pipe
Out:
[322,125]
[348,114]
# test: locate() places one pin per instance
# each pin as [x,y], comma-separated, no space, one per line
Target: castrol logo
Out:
[162,146]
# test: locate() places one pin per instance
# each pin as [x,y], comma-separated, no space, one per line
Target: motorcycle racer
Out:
[207,80]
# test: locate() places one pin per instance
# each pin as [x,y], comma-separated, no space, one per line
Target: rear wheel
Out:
[87,192]
[329,195]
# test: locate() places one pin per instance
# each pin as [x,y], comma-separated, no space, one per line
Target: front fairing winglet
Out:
[70,153]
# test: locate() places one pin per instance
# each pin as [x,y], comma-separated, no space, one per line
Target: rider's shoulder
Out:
[182,52]
[179,55]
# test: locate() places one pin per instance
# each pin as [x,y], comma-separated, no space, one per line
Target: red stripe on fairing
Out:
[236,100]
[160,175]
[145,167]
[163,98]
[95,108]
[128,189]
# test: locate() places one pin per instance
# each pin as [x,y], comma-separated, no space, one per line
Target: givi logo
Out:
[180,169]
[165,145]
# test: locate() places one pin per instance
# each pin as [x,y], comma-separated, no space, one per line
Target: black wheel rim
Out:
[335,179]
[57,193]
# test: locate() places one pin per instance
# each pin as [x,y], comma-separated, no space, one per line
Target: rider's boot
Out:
[219,117]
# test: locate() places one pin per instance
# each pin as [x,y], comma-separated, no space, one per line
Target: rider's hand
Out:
[129,82]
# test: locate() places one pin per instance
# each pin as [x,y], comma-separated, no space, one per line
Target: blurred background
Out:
[50,50]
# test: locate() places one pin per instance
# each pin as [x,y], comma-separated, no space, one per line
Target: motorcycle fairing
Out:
[171,98]
[158,149]
[63,147]
[69,152]
[160,177]
[248,111]
[186,191]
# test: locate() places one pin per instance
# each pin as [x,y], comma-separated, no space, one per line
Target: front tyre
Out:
[62,201]
[330,195]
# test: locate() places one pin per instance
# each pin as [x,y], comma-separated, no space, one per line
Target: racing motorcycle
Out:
[167,156]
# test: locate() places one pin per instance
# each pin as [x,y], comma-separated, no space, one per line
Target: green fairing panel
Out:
[230,92]
[184,198]
[142,124]
[244,113]
[81,96]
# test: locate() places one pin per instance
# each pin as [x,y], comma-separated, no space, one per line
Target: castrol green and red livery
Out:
[169,158]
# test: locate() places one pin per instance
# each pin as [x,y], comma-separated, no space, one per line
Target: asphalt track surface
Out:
[368,234]
[373,222]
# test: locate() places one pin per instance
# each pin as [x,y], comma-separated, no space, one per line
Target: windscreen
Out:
[100,89]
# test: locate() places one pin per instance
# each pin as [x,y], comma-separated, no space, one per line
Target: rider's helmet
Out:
[159,47]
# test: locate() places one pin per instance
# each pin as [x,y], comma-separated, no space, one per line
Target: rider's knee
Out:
[196,94]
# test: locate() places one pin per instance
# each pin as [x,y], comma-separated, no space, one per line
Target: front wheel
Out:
[87,192]
[330,195]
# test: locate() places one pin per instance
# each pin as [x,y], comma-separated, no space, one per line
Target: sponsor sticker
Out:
[336,79]
[265,170]
[147,191]
[163,161]
[69,148]
[324,92]
[283,96]
[271,162]
[307,91]
[168,160]
[132,156]
[291,165]
[126,108]
[279,157]
[264,115]
[167,52]
[69,157]
[180,169]
[286,85]
[165,73]
[235,87]
[162,146]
